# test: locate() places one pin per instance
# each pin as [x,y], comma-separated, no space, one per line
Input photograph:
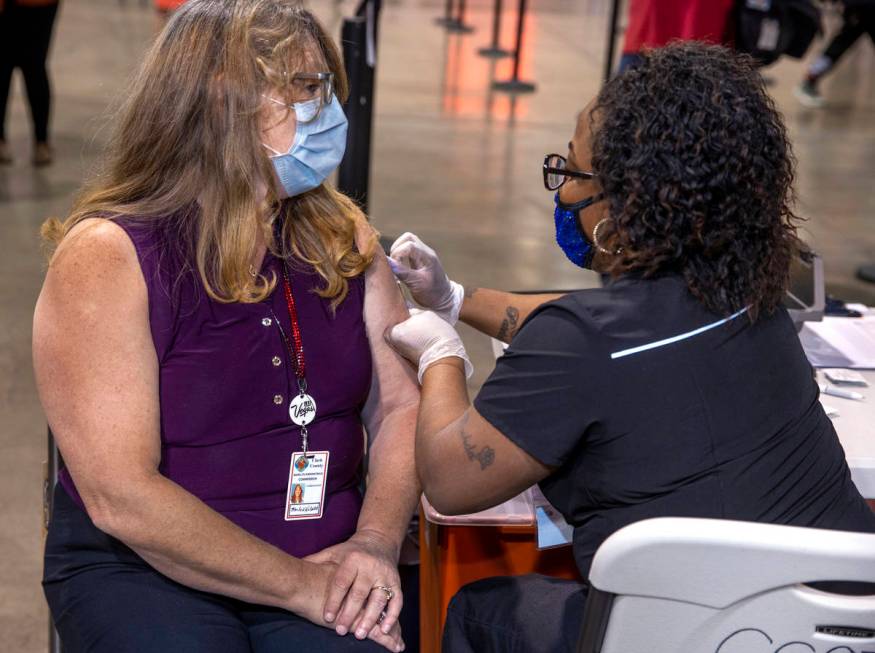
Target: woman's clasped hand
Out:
[363,595]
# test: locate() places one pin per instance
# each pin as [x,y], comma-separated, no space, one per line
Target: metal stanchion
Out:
[866,273]
[612,40]
[359,39]
[495,51]
[53,466]
[455,23]
[447,18]
[514,84]
[458,25]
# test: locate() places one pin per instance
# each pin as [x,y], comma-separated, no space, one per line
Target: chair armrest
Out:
[716,563]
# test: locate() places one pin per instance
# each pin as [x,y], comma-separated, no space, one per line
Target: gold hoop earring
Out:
[595,239]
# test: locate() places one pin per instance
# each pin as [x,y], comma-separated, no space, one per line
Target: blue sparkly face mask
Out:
[569,233]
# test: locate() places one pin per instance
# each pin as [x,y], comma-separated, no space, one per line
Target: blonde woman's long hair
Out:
[188,135]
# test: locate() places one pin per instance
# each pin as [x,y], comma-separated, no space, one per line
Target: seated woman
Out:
[678,389]
[208,345]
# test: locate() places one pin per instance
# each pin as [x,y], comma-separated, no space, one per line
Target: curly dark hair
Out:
[698,172]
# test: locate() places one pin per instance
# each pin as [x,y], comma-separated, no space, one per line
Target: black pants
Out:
[105,599]
[25,35]
[519,614]
[856,23]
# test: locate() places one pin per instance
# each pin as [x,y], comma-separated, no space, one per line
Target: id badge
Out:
[305,498]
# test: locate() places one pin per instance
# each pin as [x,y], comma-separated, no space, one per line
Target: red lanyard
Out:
[296,348]
[302,408]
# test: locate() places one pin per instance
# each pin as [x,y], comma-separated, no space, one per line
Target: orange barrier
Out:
[452,556]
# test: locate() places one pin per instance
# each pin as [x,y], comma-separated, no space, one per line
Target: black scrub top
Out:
[648,406]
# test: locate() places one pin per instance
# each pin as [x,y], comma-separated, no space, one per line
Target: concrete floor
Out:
[453,161]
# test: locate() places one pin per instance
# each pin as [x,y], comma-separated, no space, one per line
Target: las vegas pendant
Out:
[302,410]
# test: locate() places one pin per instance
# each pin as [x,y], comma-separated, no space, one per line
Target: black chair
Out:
[50,480]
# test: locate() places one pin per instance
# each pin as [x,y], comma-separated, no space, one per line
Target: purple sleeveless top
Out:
[225,384]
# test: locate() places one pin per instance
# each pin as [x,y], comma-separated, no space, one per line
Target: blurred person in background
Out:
[858,18]
[163,9]
[653,23]
[25,36]
[209,336]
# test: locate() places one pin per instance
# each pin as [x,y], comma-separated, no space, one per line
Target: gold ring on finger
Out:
[388,591]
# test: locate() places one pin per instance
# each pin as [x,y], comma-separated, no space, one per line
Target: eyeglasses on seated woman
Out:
[208,346]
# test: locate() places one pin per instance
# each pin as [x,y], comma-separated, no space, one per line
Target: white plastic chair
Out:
[673,585]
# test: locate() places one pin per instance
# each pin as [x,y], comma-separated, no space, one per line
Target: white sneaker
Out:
[808,96]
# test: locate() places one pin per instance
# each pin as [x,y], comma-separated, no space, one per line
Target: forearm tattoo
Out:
[485,456]
[469,292]
[508,327]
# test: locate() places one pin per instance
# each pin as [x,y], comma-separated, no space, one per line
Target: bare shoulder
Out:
[95,244]
[365,235]
[93,272]
[379,278]
[367,241]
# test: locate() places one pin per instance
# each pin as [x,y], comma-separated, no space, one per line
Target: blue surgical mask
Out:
[569,233]
[318,148]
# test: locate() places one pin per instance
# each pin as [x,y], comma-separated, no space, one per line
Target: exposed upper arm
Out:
[95,362]
[528,418]
[471,453]
[394,382]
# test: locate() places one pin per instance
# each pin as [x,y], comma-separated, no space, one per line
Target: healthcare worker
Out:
[678,389]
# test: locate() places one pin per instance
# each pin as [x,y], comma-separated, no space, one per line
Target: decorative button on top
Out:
[277,361]
[277,399]
[267,321]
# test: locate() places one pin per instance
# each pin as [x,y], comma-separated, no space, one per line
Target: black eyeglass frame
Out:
[565,172]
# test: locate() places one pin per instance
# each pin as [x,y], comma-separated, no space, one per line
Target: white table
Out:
[855,426]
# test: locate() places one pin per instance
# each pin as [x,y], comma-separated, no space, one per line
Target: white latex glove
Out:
[425,338]
[418,267]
